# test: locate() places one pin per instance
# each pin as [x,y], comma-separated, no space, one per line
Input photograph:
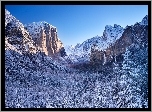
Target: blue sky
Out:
[77,23]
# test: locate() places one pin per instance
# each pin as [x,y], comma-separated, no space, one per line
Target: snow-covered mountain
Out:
[82,51]
[111,34]
[20,43]
[33,37]
[17,35]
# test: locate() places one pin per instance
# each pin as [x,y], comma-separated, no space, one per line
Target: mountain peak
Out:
[144,20]
[110,27]
[112,32]
[35,27]
[39,24]
[146,17]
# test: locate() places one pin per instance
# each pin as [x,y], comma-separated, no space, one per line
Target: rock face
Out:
[136,34]
[45,36]
[132,34]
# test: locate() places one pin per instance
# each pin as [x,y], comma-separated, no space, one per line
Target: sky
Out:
[77,23]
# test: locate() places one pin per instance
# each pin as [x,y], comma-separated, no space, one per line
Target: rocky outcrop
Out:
[135,34]
[138,33]
[54,44]
[120,45]
[45,36]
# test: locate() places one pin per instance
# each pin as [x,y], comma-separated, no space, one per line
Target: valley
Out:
[109,71]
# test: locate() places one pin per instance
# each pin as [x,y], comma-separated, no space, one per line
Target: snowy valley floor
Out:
[71,90]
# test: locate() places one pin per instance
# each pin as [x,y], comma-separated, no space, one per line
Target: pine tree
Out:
[134,78]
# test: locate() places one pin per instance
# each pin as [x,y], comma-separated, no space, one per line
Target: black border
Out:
[3,3]
[76,2]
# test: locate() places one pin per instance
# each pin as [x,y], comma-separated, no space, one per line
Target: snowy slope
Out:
[14,22]
[69,49]
[8,46]
[17,35]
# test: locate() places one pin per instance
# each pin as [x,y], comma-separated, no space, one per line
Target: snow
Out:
[10,47]
[37,81]
[22,41]
[11,19]
[82,50]
[35,28]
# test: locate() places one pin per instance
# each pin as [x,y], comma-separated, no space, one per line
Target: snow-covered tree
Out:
[134,78]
